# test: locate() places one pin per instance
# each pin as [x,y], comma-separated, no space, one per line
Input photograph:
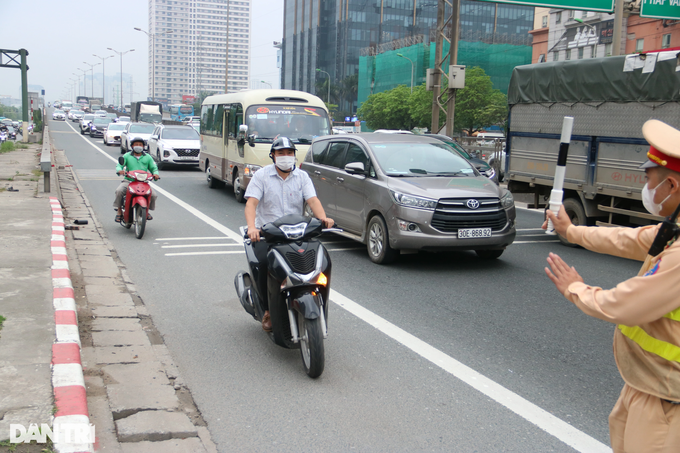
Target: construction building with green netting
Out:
[330,43]
[387,70]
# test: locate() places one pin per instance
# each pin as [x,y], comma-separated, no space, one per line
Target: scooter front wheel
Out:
[140,221]
[311,345]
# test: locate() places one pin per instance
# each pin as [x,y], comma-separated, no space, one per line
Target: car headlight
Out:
[411,201]
[250,169]
[507,201]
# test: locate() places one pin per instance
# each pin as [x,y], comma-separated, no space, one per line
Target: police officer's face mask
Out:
[648,199]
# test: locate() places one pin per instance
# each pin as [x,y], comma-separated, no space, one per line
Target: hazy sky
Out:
[61,35]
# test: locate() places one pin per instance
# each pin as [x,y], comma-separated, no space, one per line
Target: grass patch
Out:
[2,189]
[7,146]
[2,318]
[37,172]
[21,146]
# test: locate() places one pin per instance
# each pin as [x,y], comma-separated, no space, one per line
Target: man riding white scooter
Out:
[277,190]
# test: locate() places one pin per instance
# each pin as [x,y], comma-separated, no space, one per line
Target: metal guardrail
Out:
[46,159]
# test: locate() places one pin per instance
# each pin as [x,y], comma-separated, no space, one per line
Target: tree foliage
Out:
[388,110]
[478,105]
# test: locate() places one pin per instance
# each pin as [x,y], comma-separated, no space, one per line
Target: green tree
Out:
[479,105]
[199,100]
[388,110]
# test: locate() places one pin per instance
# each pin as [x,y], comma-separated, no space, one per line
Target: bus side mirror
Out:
[251,140]
[242,131]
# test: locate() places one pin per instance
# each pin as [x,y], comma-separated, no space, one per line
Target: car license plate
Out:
[467,233]
[187,158]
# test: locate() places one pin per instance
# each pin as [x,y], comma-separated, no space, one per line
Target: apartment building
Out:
[193,42]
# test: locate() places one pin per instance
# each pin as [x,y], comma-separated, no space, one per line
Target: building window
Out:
[666,41]
[541,58]
[568,57]
[639,44]
[571,14]
[556,56]
[558,17]
[544,22]
[580,53]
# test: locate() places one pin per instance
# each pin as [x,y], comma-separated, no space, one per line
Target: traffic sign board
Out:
[584,5]
[660,9]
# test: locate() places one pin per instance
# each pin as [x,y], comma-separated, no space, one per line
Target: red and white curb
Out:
[67,370]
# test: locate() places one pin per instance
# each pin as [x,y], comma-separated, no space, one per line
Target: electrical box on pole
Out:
[456,76]
[429,79]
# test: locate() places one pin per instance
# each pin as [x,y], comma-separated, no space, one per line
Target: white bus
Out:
[237,131]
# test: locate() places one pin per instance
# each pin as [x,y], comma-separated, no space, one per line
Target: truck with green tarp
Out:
[610,99]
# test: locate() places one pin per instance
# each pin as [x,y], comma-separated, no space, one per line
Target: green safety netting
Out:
[387,70]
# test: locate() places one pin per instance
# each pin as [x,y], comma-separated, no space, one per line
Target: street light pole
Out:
[92,69]
[328,99]
[122,106]
[84,86]
[103,76]
[152,36]
[400,55]
[270,85]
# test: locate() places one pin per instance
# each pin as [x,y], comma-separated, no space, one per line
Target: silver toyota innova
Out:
[396,192]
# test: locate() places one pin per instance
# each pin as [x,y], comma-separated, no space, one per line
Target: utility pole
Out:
[618,26]
[452,22]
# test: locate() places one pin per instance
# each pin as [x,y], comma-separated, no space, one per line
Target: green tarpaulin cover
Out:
[597,80]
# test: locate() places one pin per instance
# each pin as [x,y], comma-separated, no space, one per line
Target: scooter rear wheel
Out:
[311,345]
[140,221]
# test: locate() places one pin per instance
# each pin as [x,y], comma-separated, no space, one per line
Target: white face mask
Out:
[285,163]
[138,149]
[648,199]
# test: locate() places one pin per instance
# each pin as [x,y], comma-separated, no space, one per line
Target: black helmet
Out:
[282,143]
[138,139]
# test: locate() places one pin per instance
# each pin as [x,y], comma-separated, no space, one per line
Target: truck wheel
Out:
[576,214]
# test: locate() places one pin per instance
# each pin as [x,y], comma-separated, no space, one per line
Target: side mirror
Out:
[121,160]
[155,137]
[251,140]
[355,168]
[243,128]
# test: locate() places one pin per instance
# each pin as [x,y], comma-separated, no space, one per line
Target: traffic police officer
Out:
[645,308]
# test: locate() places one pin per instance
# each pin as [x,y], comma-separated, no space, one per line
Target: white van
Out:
[489,137]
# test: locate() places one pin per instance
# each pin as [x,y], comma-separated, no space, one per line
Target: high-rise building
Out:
[188,47]
[331,35]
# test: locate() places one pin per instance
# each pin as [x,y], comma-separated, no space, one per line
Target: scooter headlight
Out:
[322,279]
[140,177]
[293,231]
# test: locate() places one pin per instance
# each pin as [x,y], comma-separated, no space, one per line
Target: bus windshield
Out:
[300,124]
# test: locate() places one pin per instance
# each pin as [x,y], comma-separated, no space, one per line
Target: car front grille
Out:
[187,152]
[453,214]
[302,263]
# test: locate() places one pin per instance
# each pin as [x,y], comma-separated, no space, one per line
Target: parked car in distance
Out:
[98,126]
[403,192]
[112,134]
[85,123]
[58,115]
[101,113]
[484,168]
[135,130]
[175,145]
[123,119]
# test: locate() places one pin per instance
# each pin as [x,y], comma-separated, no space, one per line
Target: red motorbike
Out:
[136,200]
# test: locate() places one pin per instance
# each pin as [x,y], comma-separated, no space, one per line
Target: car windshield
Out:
[58,111]
[142,128]
[88,117]
[116,127]
[184,133]
[300,124]
[98,121]
[420,159]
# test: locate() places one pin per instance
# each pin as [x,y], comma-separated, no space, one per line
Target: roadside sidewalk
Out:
[136,398]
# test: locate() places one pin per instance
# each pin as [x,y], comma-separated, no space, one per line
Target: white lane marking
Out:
[186,246]
[531,242]
[226,252]
[554,426]
[192,239]
[534,414]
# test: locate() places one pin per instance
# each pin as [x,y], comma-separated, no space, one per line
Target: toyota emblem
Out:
[472,204]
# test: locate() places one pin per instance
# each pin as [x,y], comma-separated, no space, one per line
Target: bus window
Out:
[235,119]
[217,124]
[207,119]
[298,123]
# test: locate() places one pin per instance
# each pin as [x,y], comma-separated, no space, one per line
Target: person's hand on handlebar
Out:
[156,177]
[254,234]
[328,222]
[121,173]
